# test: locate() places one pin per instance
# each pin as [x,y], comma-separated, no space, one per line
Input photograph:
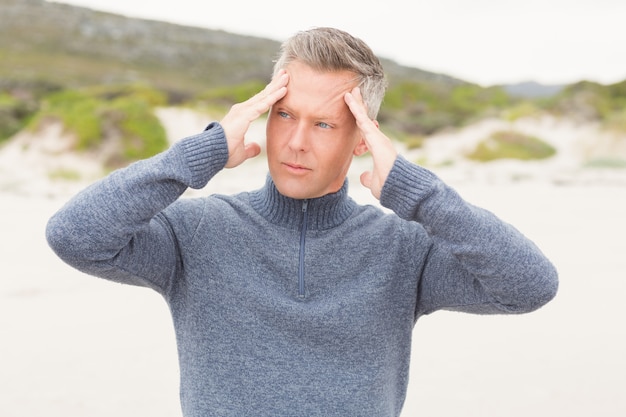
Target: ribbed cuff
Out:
[205,154]
[406,187]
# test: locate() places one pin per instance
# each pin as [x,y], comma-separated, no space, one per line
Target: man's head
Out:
[329,50]
[311,133]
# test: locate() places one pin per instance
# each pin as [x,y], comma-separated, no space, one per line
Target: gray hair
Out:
[329,49]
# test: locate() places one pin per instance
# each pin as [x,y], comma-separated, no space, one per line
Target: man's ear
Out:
[361,147]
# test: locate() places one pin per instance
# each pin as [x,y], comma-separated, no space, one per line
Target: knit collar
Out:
[323,212]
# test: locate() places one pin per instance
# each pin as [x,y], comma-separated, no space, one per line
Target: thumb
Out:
[242,153]
[366,179]
[252,149]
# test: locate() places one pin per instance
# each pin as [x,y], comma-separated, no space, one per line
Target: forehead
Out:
[320,92]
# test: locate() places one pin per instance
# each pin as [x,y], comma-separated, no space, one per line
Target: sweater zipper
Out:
[303,227]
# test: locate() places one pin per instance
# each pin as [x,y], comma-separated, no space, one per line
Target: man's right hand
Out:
[241,115]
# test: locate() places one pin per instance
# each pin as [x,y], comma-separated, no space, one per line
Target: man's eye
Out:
[324,125]
[283,114]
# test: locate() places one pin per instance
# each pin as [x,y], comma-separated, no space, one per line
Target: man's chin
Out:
[293,188]
[295,193]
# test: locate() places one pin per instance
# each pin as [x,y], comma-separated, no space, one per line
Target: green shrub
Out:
[141,133]
[511,145]
[141,92]
[110,113]
[424,108]
[14,114]
[64,174]
[414,141]
[616,121]
[590,101]
[612,163]
[520,110]
[80,113]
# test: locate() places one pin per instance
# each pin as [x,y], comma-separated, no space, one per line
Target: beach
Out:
[74,345]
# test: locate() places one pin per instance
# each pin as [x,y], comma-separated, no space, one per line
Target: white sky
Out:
[483,41]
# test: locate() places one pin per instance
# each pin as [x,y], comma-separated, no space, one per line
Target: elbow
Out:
[57,236]
[540,290]
[551,284]
[63,238]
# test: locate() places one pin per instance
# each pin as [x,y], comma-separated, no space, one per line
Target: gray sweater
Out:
[286,307]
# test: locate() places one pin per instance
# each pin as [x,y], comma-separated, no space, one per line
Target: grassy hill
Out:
[52,43]
[68,46]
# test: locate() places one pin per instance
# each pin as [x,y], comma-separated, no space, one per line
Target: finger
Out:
[273,92]
[279,76]
[276,95]
[354,100]
[368,128]
[355,103]
[278,81]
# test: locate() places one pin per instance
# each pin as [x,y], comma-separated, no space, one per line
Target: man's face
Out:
[311,133]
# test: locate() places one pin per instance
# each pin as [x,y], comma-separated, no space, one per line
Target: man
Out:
[293,300]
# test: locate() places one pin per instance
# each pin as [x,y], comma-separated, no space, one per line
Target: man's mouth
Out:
[297,168]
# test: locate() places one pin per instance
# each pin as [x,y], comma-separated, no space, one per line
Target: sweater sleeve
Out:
[477,263]
[114,229]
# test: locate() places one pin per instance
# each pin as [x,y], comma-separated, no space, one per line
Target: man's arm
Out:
[111,228]
[477,262]
[114,228]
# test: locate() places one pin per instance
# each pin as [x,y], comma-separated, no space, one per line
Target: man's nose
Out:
[299,138]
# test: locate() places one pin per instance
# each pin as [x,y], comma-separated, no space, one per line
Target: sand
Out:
[74,345]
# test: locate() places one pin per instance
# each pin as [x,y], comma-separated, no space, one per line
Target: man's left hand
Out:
[383,152]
